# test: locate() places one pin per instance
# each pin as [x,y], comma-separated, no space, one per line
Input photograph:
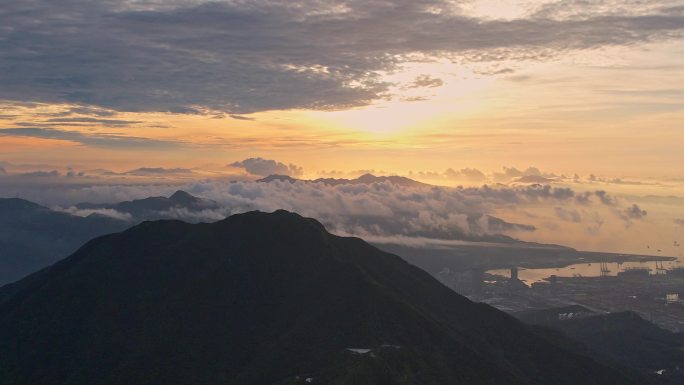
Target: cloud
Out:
[605,198]
[240,117]
[266,167]
[160,171]
[30,179]
[101,122]
[85,110]
[71,173]
[246,56]
[376,210]
[529,175]
[632,213]
[40,174]
[449,176]
[532,193]
[581,9]
[426,81]
[568,215]
[471,174]
[635,212]
[533,179]
[497,225]
[590,221]
[104,212]
[96,140]
[594,178]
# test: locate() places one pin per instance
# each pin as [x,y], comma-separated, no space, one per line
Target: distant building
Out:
[635,272]
[514,283]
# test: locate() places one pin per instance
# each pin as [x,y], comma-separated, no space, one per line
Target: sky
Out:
[585,95]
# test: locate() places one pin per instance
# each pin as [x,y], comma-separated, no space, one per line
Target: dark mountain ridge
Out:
[623,337]
[152,208]
[261,299]
[33,236]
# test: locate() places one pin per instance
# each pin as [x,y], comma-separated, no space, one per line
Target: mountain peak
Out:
[394,179]
[280,223]
[182,196]
[274,177]
[367,177]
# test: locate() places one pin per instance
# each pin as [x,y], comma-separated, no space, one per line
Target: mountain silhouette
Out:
[363,179]
[623,338]
[261,298]
[155,207]
[281,178]
[33,236]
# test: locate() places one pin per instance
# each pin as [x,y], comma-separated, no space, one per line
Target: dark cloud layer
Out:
[246,56]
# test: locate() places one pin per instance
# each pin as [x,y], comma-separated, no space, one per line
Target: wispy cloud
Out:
[102,122]
[426,81]
[105,212]
[240,117]
[40,174]
[96,140]
[161,171]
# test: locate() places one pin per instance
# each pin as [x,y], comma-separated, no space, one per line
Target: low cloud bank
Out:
[379,210]
[104,212]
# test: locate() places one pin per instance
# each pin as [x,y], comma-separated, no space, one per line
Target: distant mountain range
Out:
[155,207]
[363,179]
[263,298]
[33,236]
